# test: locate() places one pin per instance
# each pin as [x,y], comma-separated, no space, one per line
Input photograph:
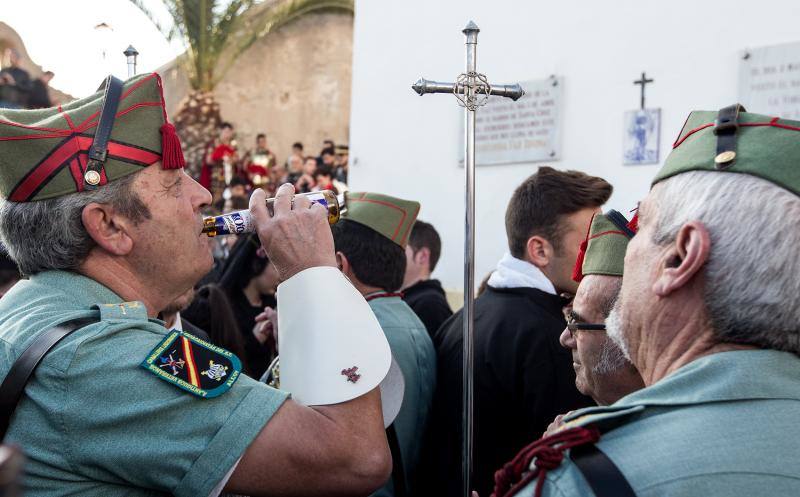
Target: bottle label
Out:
[234,223]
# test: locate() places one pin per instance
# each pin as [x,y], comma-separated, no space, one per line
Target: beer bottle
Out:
[239,222]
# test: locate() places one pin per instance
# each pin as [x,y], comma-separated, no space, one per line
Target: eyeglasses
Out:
[574,326]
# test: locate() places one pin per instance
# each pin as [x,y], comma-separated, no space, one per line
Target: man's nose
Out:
[200,197]
[566,339]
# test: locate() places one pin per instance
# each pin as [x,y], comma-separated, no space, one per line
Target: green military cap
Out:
[603,250]
[44,153]
[391,217]
[733,140]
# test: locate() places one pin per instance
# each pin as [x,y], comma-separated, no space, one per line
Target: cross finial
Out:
[643,82]
[471,27]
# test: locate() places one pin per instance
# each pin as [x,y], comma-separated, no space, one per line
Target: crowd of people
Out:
[18,90]
[231,174]
[615,355]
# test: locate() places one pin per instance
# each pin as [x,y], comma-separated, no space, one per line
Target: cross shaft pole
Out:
[472,91]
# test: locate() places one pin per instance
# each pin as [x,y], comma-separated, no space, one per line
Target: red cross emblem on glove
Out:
[351,374]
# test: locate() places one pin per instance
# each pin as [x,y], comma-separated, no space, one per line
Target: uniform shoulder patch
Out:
[194,365]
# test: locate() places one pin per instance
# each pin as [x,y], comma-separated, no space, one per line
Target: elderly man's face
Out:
[601,370]
[637,302]
[169,247]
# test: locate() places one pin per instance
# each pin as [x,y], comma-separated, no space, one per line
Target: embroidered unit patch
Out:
[194,365]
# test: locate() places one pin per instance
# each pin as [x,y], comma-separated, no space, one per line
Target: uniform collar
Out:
[734,375]
[91,292]
[721,377]
[381,295]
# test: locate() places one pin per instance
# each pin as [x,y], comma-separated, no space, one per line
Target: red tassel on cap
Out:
[577,272]
[633,225]
[171,152]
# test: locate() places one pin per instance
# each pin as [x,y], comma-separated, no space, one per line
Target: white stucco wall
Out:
[408,146]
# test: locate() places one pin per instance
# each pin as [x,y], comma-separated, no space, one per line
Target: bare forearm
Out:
[326,450]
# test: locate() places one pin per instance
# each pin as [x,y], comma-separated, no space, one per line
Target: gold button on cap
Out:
[725,157]
[92,178]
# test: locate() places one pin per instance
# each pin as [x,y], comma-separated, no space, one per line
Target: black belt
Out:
[23,368]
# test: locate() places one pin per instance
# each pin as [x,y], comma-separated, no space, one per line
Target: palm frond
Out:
[156,22]
[259,24]
[210,30]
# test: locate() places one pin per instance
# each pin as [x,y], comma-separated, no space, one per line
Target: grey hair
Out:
[752,290]
[612,357]
[49,234]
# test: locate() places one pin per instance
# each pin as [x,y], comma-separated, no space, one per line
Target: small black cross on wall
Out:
[643,82]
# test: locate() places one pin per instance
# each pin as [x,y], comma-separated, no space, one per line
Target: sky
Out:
[61,37]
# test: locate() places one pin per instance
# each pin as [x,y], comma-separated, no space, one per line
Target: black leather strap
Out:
[600,472]
[620,222]
[99,149]
[22,370]
[726,128]
[398,472]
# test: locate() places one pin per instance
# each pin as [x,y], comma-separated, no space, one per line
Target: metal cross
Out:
[643,82]
[472,90]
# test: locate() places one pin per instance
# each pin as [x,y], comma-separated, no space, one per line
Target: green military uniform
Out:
[411,345]
[413,350]
[675,438]
[117,407]
[94,422]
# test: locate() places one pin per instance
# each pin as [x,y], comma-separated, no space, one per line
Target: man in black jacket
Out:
[523,377]
[424,295]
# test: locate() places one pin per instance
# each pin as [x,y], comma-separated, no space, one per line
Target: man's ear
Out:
[539,251]
[423,256]
[343,263]
[684,258]
[108,229]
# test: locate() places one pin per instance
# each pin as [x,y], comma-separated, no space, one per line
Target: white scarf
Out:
[514,273]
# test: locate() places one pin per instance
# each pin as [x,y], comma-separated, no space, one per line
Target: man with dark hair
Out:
[523,377]
[423,294]
[370,240]
[327,158]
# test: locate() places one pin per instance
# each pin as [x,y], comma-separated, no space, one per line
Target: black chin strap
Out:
[99,149]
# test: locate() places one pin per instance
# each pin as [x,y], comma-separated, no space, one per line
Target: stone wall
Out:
[293,85]
[9,38]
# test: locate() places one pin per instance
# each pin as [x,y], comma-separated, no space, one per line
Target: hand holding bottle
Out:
[296,236]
